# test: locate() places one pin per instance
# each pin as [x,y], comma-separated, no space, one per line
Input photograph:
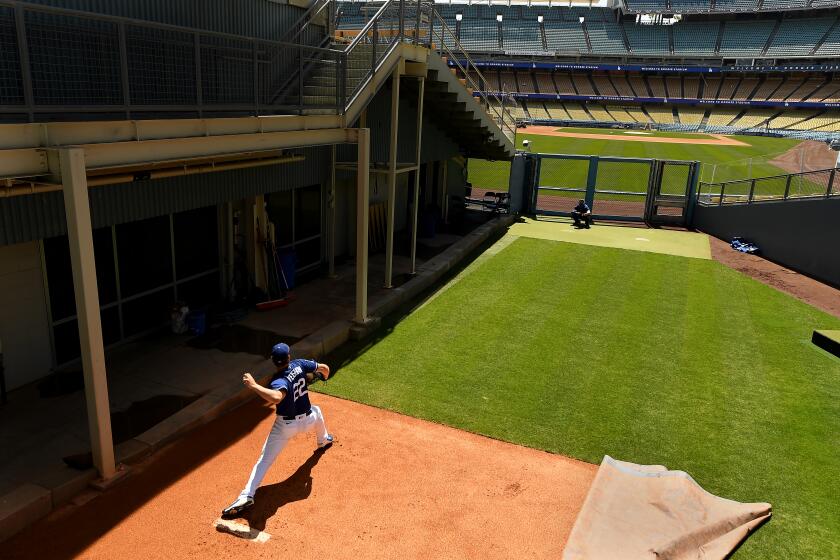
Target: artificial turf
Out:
[650,358]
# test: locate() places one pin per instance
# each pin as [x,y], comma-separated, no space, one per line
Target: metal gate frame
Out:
[654,198]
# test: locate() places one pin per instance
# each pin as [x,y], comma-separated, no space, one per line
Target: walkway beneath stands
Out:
[157,375]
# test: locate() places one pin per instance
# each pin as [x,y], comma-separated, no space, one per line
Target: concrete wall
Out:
[24,326]
[800,234]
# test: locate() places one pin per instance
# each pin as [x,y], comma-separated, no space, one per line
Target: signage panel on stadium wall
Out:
[678,101]
[523,65]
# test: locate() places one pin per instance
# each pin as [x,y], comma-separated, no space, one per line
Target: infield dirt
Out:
[712,140]
[390,487]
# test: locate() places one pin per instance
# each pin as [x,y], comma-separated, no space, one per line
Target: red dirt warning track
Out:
[391,487]
[711,140]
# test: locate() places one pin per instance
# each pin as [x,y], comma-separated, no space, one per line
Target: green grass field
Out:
[720,162]
[650,358]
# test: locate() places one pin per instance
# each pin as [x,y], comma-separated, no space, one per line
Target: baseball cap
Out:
[280,353]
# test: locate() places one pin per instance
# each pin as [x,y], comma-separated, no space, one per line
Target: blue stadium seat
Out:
[745,38]
[798,36]
[647,39]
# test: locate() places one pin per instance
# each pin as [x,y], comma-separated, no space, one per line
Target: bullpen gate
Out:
[658,192]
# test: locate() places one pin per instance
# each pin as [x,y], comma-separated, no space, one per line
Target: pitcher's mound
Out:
[397,487]
[390,486]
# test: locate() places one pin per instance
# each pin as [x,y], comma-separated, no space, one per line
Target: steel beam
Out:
[331,209]
[416,201]
[80,235]
[392,178]
[362,218]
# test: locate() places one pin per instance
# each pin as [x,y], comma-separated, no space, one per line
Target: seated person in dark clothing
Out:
[582,213]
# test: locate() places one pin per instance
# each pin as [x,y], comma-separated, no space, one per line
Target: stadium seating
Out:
[798,36]
[696,38]
[832,121]
[638,114]
[606,38]
[807,87]
[735,5]
[711,86]
[564,84]
[831,44]
[830,92]
[657,86]
[544,83]
[577,112]
[790,119]
[622,86]
[681,6]
[784,90]
[673,85]
[647,39]
[691,87]
[745,88]
[661,114]
[691,115]
[492,78]
[722,116]
[565,36]
[537,111]
[582,84]
[518,35]
[639,86]
[727,88]
[518,112]
[819,121]
[603,85]
[621,115]
[480,36]
[754,118]
[508,81]
[745,38]
[599,113]
[693,6]
[556,111]
[767,88]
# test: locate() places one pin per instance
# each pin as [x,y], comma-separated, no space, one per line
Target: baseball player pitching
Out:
[288,391]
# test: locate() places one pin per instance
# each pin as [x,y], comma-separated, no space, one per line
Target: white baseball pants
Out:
[281,432]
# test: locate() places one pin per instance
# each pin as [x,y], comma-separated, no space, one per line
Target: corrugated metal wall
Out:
[254,18]
[26,218]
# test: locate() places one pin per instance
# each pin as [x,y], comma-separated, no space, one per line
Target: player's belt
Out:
[298,417]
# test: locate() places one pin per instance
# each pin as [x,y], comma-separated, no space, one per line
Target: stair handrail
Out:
[505,120]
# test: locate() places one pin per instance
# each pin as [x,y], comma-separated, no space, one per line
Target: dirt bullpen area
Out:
[390,487]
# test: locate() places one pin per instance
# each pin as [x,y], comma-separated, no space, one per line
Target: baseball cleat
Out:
[328,441]
[238,506]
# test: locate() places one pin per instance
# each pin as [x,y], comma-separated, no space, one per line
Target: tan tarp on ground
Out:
[648,512]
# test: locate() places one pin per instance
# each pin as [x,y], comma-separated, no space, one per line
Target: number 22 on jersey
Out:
[299,389]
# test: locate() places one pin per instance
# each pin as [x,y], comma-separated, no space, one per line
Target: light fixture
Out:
[459,17]
[499,18]
[539,18]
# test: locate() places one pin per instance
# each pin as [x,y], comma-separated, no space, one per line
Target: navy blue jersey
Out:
[582,208]
[293,380]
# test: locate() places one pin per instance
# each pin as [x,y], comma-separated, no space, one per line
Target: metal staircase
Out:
[343,77]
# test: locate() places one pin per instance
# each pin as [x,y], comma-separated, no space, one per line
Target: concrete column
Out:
[80,234]
[392,178]
[331,222]
[416,202]
[362,218]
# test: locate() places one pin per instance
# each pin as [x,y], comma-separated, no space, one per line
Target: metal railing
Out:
[63,63]
[447,45]
[809,184]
